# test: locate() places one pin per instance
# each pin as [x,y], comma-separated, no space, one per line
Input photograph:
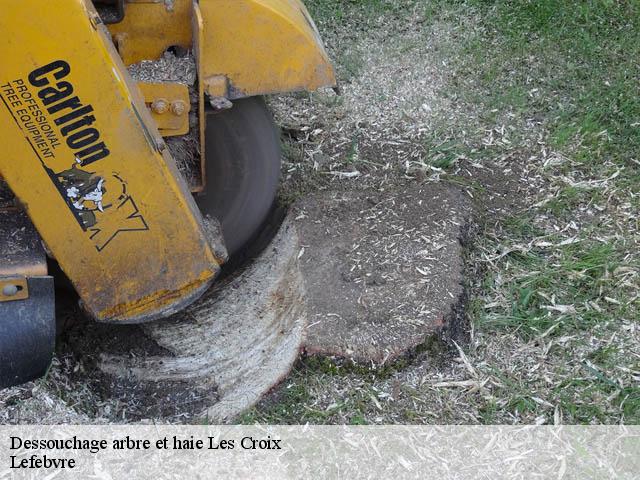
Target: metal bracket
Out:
[169,104]
[216,89]
[150,27]
[12,289]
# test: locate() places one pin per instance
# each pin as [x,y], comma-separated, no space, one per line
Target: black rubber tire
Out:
[27,334]
[242,168]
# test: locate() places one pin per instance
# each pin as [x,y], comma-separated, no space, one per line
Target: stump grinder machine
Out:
[136,152]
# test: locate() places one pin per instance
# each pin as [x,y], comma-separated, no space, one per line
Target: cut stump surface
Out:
[382,271]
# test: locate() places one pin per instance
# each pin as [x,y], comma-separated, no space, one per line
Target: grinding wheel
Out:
[27,334]
[242,170]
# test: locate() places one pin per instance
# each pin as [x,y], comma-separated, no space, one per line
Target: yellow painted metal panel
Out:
[150,27]
[82,154]
[263,46]
[258,46]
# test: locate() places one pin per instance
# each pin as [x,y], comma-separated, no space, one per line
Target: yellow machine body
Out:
[83,147]
[249,47]
[84,157]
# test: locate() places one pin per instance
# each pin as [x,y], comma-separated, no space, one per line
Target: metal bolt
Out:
[160,106]
[10,290]
[178,107]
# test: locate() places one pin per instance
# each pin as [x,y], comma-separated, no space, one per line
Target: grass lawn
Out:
[546,92]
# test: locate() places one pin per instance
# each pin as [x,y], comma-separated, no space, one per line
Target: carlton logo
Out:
[99,201]
[68,112]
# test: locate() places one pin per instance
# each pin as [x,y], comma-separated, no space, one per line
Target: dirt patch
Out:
[173,400]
